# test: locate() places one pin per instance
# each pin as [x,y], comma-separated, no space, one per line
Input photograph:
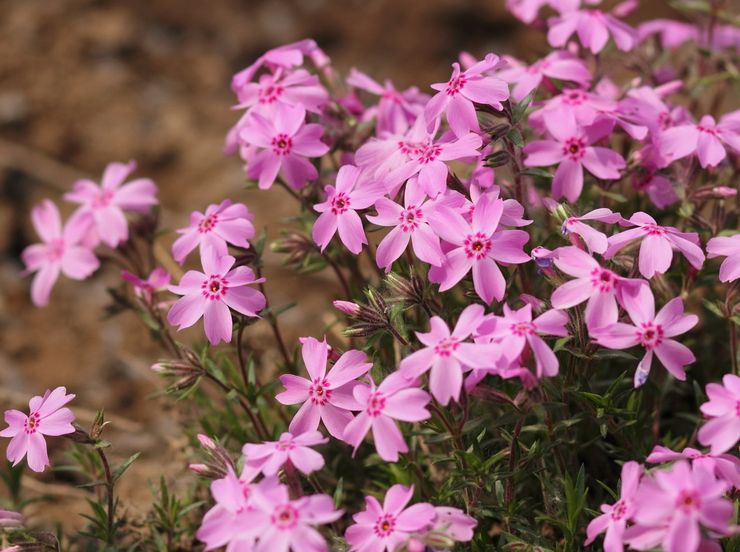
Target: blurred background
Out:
[85,82]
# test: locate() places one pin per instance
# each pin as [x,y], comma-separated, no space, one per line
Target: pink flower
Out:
[325,397]
[595,240]
[384,528]
[593,28]
[220,225]
[454,523]
[448,355]
[284,142]
[516,329]
[672,33]
[396,398]
[62,250]
[572,149]
[706,139]
[615,516]
[651,331]
[658,188]
[283,524]
[723,466]
[158,280]
[290,88]
[47,416]
[558,65]
[658,242]
[479,246]
[209,294]
[107,202]
[457,96]
[411,223]
[726,246]
[722,431]
[269,456]
[339,212]
[672,506]
[600,286]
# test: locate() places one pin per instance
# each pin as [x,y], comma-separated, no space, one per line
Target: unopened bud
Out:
[206,442]
[79,435]
[497,159]
[9,518]
[438,540]
[499,130]
[561,213]
[347,307]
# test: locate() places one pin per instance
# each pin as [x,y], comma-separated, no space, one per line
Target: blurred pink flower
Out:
[158,280]
[268,457]
[593,28]
[726,246]
[723,466]
[722,431]
[707,140]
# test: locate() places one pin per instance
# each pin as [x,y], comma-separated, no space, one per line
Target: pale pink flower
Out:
[158,280]
[723,466]
[516,330]
[707,139]
[411,223]
[270,456]
[672,506]
[448,354]
[221,224]
[479,246]
[284,143]
[62,250]
[353,191]
[658,243]
[593,28]
[384,528]
[396,398]
[726,246]
[572,149]
[652,332]
[595,241]
[457,96]
[47,416]
[722,430]
[325,396]
[209,294]
[671,33]
[107,202]
[559,65]
[453,523]
[600,286]
[615,516]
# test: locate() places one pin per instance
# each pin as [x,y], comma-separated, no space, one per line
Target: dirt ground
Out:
[84,82]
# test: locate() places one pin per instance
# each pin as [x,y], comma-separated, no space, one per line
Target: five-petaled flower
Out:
[269,456]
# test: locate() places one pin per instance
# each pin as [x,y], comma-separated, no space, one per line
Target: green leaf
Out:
[515,137]
[118,472]
[520,109]
[537,173]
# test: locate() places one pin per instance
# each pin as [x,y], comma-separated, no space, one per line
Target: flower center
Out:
[340,203]
[688,500]
[214,288]
[428,153]
[285,517]
[523,328]
[619,510]
[650,334]
[375,404]
[319,391]
[102,200]
[574,97]
[407,148]
[664,120]
[285,445]
[392,96]
[653,230]
[737,408]
[55,250]
[455,85]
[410,218]
[574,148]
[385,525]
[207,224]
[604,280]
[270,93]
[32,422]
[477,245]
[282,144]
[707,130]
[446,346]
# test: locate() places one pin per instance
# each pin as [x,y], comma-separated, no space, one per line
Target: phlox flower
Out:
[325,396]
[453,523]
[158,280]
[210,293]
[646,106]
[479,245]
[658,243]
[107,202]
[652,332]
[62,250]
[707,139]
[410,223]
[593,28]
[723,466]
[571,149]
[722,430]
[385,528]
[284,142]
[579,103]
[47,416]
[672,33]
[220,225]
[672,506]
[457,96]
[516,330]
[595,241]
[657,187]
[726,246]
[559,65]
[396,398]
[291,88]
[353,191]
[615,516]
[269,456]
[448,354]
[600,286]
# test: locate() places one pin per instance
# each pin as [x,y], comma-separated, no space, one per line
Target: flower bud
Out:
[206,442]
[497,159]
[347,307]
[9,518]
[439,540]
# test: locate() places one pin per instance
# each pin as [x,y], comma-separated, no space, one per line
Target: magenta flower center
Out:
[523,328]
[392,96]
[688,500]
[574,97]
[650,334]
[375,404]
[340,203]
[319,391]
[284,517]
[410,218]
[285,445]
[707,130]
[270,93]
[55,250]
[102,200]
[574,148]
[215,287]
[207,224]
[32,423]
[407,148]
[477,246]
[664,120]
[455,85]
[428,153]
[603,280]
[385,525]
[619,510]
[737,408]
[282,144]
[446,346]
[653,230]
